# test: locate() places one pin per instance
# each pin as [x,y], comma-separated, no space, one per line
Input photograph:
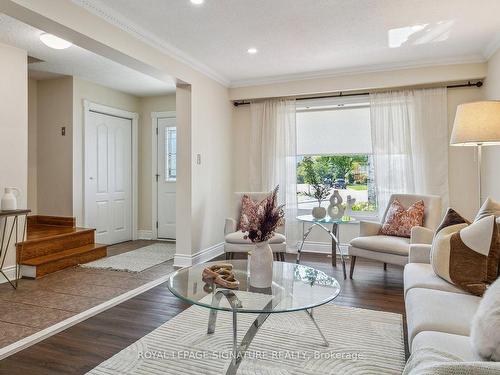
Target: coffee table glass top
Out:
[326,220]
[295,287]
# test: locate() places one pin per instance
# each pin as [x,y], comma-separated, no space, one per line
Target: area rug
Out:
[136,260]
[361,342]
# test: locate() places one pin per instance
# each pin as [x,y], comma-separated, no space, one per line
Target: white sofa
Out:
[438,314]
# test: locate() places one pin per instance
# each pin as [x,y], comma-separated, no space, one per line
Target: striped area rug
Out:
[361,342]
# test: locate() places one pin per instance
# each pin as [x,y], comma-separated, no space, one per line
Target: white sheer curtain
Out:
[273,155]
[410,143]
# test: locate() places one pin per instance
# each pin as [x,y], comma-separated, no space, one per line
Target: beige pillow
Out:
[489,207]
[462,252]
[492,207]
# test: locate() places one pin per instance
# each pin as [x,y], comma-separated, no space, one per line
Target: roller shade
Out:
[334,131]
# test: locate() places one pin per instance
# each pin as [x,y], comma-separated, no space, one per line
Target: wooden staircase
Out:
[54,243]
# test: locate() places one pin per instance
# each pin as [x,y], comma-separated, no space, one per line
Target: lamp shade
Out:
[477,123]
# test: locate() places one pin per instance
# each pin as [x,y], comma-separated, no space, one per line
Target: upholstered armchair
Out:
[234,238]
[390,249]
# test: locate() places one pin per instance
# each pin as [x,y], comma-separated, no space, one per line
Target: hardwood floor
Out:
[82,347]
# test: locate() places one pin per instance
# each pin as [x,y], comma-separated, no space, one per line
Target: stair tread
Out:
[48,232]
[62,254]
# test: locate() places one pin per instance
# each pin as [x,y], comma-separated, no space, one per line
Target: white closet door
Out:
[108,177]
[167,174]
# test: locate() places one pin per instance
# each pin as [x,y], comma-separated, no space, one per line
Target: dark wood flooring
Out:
[82,347]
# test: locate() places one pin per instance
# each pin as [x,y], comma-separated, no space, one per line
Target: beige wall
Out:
[146,106]
[84,90]
[32,145]
[363,81]
[13,130]
[54,151]
[209,111]
[491,177]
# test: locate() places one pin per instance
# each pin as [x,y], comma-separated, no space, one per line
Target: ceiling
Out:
[78,62]
[308,38]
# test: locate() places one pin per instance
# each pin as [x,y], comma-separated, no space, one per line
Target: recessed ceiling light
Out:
[252,51]
[55,42]
[197,2]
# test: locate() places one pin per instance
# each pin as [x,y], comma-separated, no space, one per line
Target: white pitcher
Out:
[9,199]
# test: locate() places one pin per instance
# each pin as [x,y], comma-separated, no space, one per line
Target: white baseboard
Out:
[317,247]
[144,234]
[10,271]
[205,255]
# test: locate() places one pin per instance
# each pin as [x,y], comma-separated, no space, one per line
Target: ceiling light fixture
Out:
[197,2]
[252,51]
[55,42]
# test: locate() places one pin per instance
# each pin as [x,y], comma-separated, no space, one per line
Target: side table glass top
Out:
[295,287]
[326,220]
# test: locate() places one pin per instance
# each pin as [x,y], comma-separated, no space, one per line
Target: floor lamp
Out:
[477,124]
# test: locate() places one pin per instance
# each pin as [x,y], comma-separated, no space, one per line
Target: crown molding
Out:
[492,47]
[100,9]
[471,59]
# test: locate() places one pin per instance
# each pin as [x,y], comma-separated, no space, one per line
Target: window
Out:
[170,154]
[334,147]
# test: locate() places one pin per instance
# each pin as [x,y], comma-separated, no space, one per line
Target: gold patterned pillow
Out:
[466,254]
[399,221]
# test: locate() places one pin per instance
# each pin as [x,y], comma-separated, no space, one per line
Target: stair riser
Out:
[55,245]
[52,220]
[61,264]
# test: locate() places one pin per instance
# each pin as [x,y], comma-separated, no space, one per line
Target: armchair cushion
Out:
[383,244]
[238,238]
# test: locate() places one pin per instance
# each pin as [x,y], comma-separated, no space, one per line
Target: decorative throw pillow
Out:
[399,221]
[489,207]
[461,251]
[485,328]
[492,207]
[249,211]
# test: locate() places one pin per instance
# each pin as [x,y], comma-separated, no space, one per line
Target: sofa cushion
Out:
[456,345]
[436,310]
[238,238]
[383,244]
[421,275]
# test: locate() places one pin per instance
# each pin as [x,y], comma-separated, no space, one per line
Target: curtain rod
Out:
[237,103]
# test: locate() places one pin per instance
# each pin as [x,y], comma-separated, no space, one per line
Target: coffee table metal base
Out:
[238,352]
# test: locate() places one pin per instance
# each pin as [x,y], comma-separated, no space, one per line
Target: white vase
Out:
[261,265]
[9,199]
[319,212]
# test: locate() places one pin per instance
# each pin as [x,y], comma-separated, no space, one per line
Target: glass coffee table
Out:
[334,234]
[295,288]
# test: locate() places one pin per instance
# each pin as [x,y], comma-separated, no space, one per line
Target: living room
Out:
[266,95]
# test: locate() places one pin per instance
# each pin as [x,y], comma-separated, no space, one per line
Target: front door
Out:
[108,177]
[166,176]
